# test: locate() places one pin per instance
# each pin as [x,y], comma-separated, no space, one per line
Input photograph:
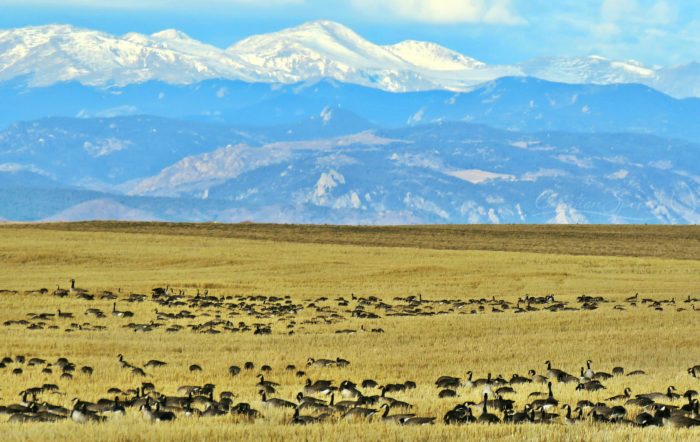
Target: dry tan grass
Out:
[663,343]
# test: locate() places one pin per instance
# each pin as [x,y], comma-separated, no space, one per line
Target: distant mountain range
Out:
[316,125]
[153,168]
[45,55]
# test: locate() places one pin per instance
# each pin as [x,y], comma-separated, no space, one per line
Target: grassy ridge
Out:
[679,242]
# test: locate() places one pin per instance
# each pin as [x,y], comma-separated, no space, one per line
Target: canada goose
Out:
[589,373]
[349,390]
[153,363]
[195,367]
[517,379]
[244,409]
[136,371]
[675,420]
[234,370]
[460,414]
[568,419]
[303,420]
[213,411]
[275,402]
[417,420]
[318,387]
[538,378]
[121,314]
[80,415]
[548,403]
[369,383]
[249,366]
[500,391]
[75,290]
[447,382]
[116,408]
[156,415]
[693,371]
[482,381]
[590,386]
[527,415]
[263,382]
[65,315]
[639,401]
[86,370]
[342,406]
[656,396]
[447,393]
[621,397]
[487,417]
[311,362]
[395,418]
[359,412]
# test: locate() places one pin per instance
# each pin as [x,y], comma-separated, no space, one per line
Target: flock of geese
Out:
[266,311]
[325,400]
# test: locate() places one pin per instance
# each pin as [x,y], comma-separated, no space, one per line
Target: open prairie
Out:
[400,304]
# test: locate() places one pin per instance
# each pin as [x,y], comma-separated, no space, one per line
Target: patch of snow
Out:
[583,163]
[106,146]
[476,176]
[416,202]
[619,175]
[662,164]
[543,173]
[326,115]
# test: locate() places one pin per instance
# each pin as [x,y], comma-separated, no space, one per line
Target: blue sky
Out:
[656,32]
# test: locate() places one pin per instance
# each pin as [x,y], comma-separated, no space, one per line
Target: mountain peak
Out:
[171,34]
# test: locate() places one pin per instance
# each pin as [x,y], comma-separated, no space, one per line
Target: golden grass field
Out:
[309,262]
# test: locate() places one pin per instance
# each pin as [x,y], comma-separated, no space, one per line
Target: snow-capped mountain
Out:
[58,53]
[324,49]
[45,55]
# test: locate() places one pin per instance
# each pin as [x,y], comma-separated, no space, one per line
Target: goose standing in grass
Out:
[487,417]
[546,404]
[75,290]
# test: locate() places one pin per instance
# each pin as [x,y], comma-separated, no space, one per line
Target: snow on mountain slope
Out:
[319,49]
[55,53]
[593,69]
[430,56]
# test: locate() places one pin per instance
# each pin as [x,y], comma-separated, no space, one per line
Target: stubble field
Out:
[309,269]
